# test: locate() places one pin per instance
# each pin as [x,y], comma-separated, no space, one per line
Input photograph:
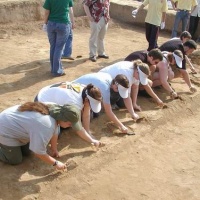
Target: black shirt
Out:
[171,46]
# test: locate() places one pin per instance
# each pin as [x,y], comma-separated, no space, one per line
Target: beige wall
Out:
[31,10]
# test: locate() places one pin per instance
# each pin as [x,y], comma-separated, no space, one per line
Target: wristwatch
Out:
[56,162]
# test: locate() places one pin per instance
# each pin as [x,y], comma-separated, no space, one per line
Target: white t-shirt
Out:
[62,96]
[19,128]
[123,67]
[100,80]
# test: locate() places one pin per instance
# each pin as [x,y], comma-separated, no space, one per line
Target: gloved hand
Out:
[162,25]
[44,27]
[134,13]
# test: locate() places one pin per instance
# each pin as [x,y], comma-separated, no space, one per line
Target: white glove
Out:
[44,27]
[134,13]
[162,25]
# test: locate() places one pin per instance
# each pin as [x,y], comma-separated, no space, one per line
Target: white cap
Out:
[122,91]
[143,77]
[178,60]
[95,104]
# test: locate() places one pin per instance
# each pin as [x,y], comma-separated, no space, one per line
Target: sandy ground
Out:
[160,162]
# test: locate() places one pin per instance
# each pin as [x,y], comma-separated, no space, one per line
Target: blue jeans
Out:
[67,52]
[57,34]
[181,16]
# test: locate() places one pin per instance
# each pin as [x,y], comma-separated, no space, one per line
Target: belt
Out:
[184,10]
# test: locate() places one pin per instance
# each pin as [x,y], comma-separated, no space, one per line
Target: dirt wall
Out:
[31,10]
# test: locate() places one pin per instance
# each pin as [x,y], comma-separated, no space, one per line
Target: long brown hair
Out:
[92,91]
[34,106]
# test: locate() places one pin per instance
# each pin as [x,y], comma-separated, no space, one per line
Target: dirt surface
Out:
[160,162]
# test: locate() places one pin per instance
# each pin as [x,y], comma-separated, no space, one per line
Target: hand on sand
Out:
[193,89]
[60,166]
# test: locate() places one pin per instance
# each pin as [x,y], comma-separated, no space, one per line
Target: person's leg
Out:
[25,150]
[147,31]
[176,23]
[10,155]
[52,41]
[93,38]
[185,20]
[191,26]
[62,33]
[68,45]
[153,37]
[103,26]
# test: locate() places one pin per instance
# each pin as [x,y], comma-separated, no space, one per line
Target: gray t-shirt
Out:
[19,128]
[100,80]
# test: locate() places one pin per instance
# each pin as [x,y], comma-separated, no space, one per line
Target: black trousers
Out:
[152,32]
[193,25]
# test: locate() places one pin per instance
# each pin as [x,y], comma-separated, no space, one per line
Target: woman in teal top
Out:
[57,23]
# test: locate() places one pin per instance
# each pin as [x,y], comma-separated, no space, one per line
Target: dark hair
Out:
[34,106]
[122,80]
[156,54]
[185,34]
[92,91]
[190,44]
[142,66]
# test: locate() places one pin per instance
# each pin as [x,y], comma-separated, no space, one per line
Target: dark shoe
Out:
[67,57]
[57,75]
[93,58]
[103,56]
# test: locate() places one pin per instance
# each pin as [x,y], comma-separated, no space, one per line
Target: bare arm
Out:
[140,7]
[71,15]
[53,142]
[50,160]
[113,117]
[163,75]
[134,94]
[193,8]
[163,17]
[153,95]
[186,78]
[129,106]
[190,64]
[86,116]
[173,5]
[46,16]
[87,11]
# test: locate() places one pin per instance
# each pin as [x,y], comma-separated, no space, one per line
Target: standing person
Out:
[84,97]
[97,12]
[155,18]
[186,48]
[67,52]
[57,23]
[194,20]
[32,126]
[112,90]
[183,9]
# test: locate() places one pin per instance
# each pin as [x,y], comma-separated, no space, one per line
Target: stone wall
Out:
[31,10]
